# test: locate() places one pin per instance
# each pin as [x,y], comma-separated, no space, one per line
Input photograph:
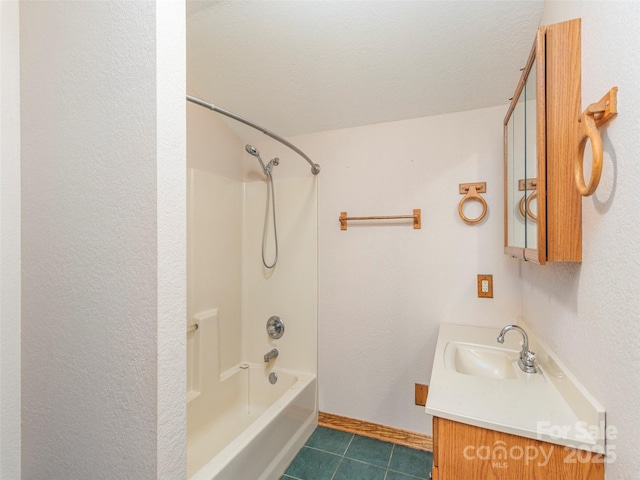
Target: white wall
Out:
[170,36]
[588,313]
[384,289]
[9,240]
[103,200]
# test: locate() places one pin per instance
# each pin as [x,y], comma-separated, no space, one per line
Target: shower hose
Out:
[270,193]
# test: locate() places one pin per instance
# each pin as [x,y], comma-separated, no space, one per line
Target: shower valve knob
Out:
[275,327]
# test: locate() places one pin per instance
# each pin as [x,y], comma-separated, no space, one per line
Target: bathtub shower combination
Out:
[256,429]
[251,384]
[248,422]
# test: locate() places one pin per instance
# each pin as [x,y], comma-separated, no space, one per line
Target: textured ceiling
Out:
[306,66]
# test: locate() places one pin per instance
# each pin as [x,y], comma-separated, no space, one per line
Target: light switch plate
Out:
[485,286]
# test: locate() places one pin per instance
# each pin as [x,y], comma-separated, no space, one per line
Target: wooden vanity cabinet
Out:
[465,452]
[543,207]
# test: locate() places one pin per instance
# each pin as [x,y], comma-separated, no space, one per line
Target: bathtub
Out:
[250,429]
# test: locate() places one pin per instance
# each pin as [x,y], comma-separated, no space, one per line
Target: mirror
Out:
[515,145]
[524,120]
[530,162]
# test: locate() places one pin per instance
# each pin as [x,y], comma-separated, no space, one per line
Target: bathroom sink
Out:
[481,361]
[477,381]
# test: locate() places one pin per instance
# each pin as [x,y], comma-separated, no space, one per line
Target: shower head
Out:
[251,150]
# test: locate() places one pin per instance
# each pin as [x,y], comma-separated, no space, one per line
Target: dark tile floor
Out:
[334,455]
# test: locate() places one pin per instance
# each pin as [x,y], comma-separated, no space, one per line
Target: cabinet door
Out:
[563,103]
[434,473]
[468,452]
[434,470]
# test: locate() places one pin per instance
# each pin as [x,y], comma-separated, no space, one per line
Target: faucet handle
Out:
[529,357]
[527,361]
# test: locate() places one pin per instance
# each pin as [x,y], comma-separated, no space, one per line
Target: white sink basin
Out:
[481,361]
[477,381]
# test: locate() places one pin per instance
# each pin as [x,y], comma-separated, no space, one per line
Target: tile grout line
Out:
[320,449]
[389,469]
[349,444]
[407,474]
[342,457]
[386,469]
[337,467]
[393,447]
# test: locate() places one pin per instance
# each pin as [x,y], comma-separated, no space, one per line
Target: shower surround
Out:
[231,295]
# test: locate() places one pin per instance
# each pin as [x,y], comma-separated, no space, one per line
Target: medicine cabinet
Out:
[543,208]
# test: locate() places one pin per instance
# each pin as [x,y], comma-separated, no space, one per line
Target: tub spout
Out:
[271,355]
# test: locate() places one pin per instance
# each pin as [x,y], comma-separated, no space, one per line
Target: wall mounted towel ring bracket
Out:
[594,116]
[530,184]
[470,192]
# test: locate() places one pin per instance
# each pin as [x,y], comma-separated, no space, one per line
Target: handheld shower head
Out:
[251,150]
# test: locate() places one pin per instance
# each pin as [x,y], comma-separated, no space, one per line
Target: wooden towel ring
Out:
[528,199]
[594,115]
[588,130]
[471,190]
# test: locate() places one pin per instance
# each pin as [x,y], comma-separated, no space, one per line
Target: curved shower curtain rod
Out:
[315,168]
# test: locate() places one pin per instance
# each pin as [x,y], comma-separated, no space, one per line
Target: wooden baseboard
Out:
[374,430]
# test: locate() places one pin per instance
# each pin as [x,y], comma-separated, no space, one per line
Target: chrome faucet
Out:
[271,355]
[527,358]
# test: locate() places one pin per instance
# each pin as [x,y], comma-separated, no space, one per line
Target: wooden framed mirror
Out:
[524,151]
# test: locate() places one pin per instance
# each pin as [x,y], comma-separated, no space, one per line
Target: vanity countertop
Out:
[550,405]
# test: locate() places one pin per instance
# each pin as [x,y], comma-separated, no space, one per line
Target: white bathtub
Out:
[250,429]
